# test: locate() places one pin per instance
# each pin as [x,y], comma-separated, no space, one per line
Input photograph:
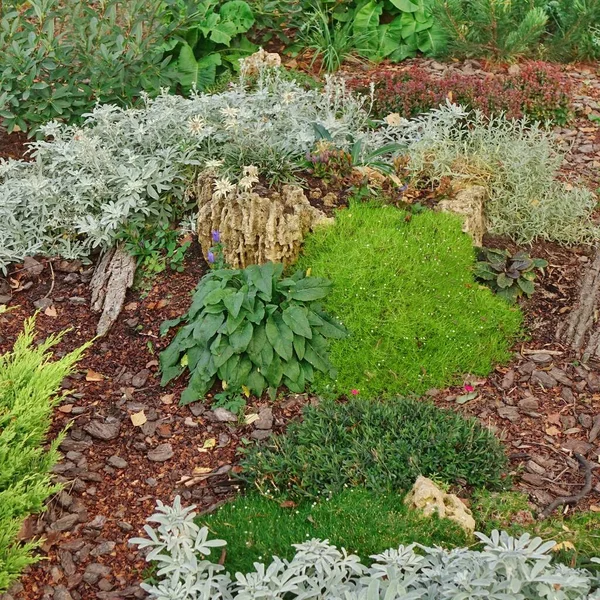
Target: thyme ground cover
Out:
[404,289]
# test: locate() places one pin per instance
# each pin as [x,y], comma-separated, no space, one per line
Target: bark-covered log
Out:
[112,278]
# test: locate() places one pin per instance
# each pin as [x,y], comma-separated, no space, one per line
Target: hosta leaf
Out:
[296,319]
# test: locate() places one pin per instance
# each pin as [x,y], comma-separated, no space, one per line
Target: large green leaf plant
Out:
[252,329]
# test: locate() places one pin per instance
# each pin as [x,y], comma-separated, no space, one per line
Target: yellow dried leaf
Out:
[138,418]
[594,508]
[563,546]
[251,418]
[246,391]
[184,360]
[209,443]
[552,430]
[202,470]
[93,376]
[51,312]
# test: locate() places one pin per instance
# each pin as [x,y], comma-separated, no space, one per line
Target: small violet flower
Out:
[216,237]
[355,392]
[211,257]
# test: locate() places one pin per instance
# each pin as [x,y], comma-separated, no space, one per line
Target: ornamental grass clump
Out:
[381,445]
[29,381]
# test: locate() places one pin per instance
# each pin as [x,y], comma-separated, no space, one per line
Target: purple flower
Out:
[211,257]
[216,237]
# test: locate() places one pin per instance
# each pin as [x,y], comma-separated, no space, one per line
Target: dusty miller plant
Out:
[129,166]
[506,567]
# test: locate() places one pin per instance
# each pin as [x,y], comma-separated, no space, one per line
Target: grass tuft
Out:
[383,446]
[404,289]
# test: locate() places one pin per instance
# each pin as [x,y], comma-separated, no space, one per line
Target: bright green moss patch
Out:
[363,522]
[404,289]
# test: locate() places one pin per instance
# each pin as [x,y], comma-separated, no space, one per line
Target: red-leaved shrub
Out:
[539,91]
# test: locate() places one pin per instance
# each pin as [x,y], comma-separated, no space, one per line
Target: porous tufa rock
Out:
[426,497]
[259,60]
[469,204]
[255,229]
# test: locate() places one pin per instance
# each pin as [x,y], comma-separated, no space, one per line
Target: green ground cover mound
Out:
[382,445]
[404,289]
[257,528]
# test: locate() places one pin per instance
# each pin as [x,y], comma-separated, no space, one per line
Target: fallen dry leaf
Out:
[51,312]
[202,470]
[209,443]
[66,408]
[138,418]
[552,430]
[288,504]
[167,398]
[251,418]
[554,418]
[594,508]
[563,546]
[93,376]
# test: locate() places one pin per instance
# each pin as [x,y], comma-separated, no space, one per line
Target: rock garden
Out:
[299,300]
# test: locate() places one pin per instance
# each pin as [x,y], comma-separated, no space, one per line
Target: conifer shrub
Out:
[29,381]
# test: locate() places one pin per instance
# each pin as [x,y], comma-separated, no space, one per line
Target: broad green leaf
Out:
[405,6]
[199,73]
[311,288]
[261,276]
[527,286]
[297,384]
[366,22]
[227,371]
[208,326]
[239,13]
[291,369]
[275,371]
[504,281]
[295,318]
[316,358]
[233,303]
[332,328]
[196,389]
[256,383]
[241,337]
[408,25]
[299,346]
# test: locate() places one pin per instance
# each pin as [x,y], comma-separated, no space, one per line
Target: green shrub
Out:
[60,58]
[405,291]
[257,528]
[509,276]
[252,329]
[383,445]
[28,384]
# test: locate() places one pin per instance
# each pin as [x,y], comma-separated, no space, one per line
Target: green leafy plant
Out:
[252,328]
[211,41]
[509,276]
[60,58]
[382,445]
[29,381]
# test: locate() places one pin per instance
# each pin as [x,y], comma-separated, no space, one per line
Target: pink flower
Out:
[469,388]
[355,392]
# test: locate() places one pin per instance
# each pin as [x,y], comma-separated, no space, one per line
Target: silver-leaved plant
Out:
[506,568]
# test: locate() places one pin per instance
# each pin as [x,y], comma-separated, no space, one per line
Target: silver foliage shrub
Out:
[505,569]
[517,161]
[127,165]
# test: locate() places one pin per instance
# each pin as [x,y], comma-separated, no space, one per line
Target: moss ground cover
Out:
[28,383]
[404,289]
[256,527]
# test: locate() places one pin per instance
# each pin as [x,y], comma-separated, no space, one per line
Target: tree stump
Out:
[112,278]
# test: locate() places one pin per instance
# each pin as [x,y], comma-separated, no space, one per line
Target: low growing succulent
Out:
[509,276]
[505,567]
[252,329]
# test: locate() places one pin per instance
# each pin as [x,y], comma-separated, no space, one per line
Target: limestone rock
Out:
[428,498]
[259,60]
[469,204]
[255,229]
